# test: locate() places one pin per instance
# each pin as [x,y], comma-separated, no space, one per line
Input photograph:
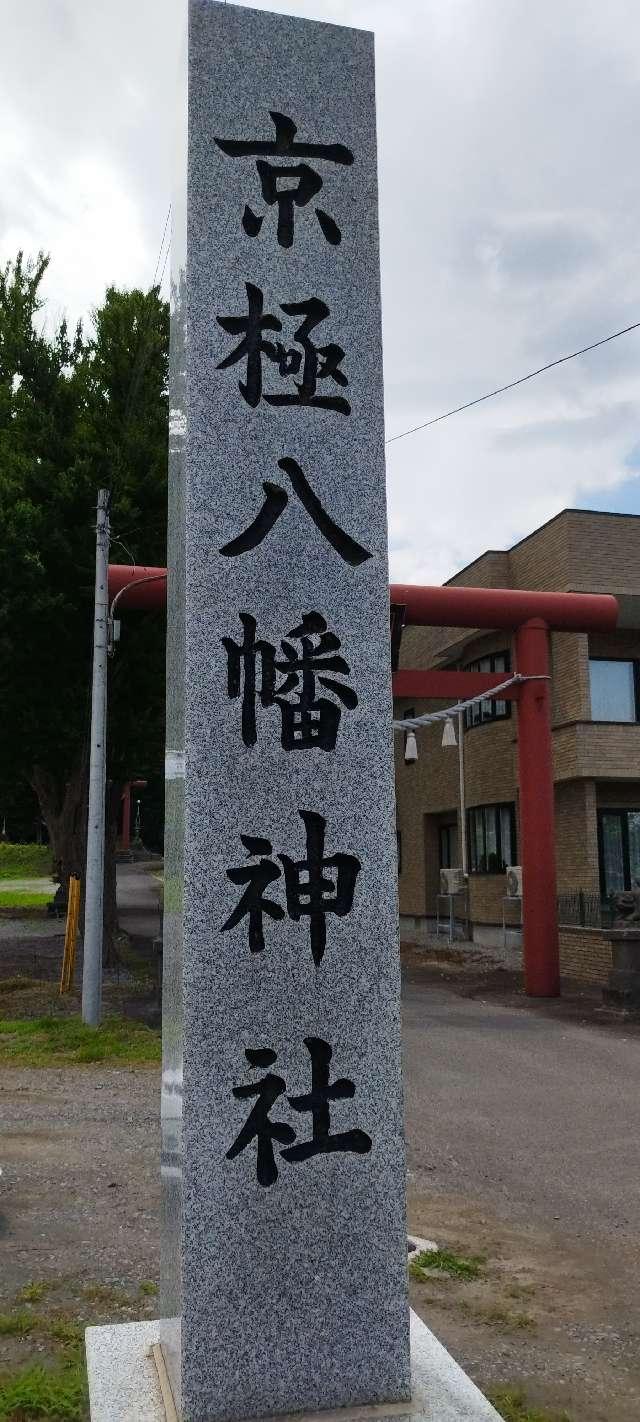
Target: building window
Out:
[492,838]
[491,709]
[614,689]
[448,836]
[619,847]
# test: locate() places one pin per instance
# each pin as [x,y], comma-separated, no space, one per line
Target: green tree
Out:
[77,414]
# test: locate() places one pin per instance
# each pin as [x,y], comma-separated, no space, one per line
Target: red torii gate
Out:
[530,616]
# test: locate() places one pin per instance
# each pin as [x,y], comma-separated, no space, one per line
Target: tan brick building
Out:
[596,738]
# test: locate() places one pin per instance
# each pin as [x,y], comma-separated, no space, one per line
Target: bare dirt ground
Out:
[557,1305]
[523,1139]
[79,1198]
[558,1320]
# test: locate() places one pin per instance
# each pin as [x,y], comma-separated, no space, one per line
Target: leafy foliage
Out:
[77,414]
[59,1393]
[24,861]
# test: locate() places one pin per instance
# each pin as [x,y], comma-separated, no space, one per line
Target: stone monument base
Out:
[623,988]
[125,1385]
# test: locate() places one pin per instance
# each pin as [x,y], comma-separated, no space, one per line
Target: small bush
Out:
[24,861]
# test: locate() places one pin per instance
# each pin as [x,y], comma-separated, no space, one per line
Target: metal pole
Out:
[463,809]
[535,758]
[94,879]
[463,823]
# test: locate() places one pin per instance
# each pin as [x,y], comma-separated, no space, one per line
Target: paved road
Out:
[138,900]
[35,884]
[539,1116]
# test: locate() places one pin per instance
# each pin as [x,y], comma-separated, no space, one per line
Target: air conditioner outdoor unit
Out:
[514,881]
[451,881]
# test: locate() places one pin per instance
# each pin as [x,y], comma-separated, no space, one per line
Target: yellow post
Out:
[71,935]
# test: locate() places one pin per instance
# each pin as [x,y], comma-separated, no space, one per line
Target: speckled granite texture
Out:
[294,1291]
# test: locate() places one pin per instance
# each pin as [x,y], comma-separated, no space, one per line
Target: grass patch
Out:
[17,1323]
[17,898]
[25,861]
[140,968]
[54,1041]
[504,1318]
[63,1330]
[32,1293]
[17,984]
[57,1390]
[148,1288]
[444,1261]
[58,1327]
[106,1294]
[60,1393]
[512,1405]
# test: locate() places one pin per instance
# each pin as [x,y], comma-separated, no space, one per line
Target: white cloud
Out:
[510,216]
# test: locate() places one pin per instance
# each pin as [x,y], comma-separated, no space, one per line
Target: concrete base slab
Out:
[124,1384]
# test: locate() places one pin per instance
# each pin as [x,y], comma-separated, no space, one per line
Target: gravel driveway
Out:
[522,1146]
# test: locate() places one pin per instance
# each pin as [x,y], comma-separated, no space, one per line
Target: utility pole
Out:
[463,808]
[94,876]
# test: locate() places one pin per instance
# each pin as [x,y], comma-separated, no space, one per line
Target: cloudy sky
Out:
[510,217]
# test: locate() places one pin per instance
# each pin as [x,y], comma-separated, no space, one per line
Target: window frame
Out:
[629,661]
[486,717]
[444,832]
[622,814]
[497,807]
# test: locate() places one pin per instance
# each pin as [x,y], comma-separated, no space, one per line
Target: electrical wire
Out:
[512,383]
[164,233]
[166,255]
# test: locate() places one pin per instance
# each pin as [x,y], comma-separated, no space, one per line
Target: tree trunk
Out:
[64,809]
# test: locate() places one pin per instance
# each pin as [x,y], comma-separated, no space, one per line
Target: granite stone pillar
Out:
[284,1249]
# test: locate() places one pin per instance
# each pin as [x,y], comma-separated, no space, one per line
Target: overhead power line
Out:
[166,256]
[512,383]
[164,233]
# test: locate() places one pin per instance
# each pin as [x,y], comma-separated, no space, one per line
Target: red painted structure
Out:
[125,834]
[504,607]
[530,616]
[141,587]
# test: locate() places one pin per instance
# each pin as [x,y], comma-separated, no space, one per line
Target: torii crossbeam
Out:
[530,616]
